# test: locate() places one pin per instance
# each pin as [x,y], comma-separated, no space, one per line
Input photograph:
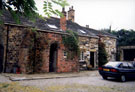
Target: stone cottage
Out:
[18,44]
[110,43]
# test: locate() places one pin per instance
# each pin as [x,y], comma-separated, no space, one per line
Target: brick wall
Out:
[19,42]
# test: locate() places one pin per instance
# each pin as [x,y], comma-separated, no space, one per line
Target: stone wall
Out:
[110,46]
[20,40]
[15,38]
[88,45]
[3,39]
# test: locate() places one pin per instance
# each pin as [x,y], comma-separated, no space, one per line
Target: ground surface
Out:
[91,82]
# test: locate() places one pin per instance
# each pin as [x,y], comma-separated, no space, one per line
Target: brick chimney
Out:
[71,14]
[63,23]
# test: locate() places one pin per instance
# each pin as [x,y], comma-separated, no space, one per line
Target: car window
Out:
[130,65]
[123,65]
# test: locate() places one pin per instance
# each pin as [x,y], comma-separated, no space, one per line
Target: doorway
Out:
[92,59]
[129,54]
[1,57]
[53,57]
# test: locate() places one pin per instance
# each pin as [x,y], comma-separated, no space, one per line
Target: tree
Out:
[28,9]
[48,7]
[102,55]
[125,37]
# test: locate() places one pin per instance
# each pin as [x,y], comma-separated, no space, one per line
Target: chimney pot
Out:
[72,7]
[87,26]
[71,14]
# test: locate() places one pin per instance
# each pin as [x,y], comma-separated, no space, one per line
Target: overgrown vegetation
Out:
[71,43]
[102,55]
[1,22]
[35,51]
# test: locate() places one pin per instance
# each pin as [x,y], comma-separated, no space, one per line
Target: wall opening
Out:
[1,57]
[129,54]
[92,59]
[53,57]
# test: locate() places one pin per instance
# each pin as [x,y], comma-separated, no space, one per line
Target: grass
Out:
[80,88]
[16,87]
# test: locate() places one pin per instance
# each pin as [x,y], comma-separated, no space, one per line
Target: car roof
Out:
[117,62]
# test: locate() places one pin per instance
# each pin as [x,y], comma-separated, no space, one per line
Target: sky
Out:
[100,14]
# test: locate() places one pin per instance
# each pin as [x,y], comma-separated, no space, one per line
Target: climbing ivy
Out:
[71,43]
[1,22]
[37,45]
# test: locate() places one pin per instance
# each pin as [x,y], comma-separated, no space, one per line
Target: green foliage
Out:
[62,3]
[71,43]
[125,37]
[15,16]
[49,10]
[27,7]
[5,85]
[102,55]
[1,12]
[36,46]
[1,22]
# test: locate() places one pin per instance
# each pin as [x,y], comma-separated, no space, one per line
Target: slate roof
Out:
[53,24]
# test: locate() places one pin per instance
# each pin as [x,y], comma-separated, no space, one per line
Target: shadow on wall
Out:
[1,57]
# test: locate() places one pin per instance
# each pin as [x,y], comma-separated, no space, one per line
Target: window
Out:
[82,55]
[82,31]
[130,65]
[65,54]
[123,65]
[52,26]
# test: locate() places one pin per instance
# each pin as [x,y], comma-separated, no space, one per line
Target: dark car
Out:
[119,70]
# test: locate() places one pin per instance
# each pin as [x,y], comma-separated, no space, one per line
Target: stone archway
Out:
[53,57]
[1,57]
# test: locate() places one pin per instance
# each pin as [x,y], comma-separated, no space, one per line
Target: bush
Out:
[102,55]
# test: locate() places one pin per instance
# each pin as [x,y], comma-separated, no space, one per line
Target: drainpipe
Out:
[5,63]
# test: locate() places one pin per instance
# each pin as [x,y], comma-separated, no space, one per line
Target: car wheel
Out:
[123,78]
[104,77]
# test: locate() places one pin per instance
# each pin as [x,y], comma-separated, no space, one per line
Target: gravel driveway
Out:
[89,83]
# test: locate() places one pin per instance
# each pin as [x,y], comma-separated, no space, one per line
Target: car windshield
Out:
[113,64]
